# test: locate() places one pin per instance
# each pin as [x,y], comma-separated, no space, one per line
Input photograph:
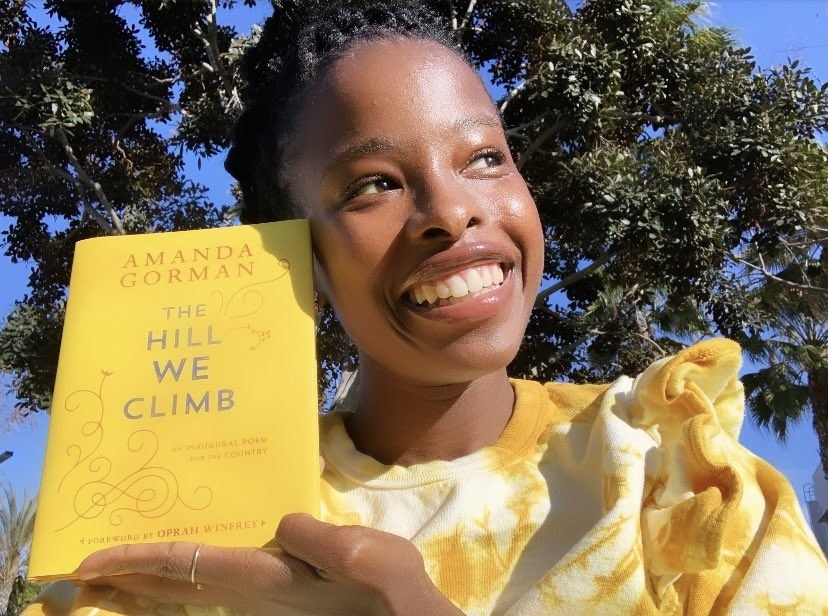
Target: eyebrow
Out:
[378,145]
[485,121]
[352,151]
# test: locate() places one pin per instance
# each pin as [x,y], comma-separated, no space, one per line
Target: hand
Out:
[317,568]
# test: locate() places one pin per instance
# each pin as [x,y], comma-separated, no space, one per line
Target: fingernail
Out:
[85,576]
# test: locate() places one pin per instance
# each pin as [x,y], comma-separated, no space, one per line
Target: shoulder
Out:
[700,381]
[701,378]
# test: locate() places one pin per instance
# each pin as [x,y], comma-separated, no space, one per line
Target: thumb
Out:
[343,552]
[389,566]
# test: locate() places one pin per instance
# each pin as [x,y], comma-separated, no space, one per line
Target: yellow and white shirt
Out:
[629,498]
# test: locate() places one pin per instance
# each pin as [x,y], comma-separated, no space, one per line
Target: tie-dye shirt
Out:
[629,498]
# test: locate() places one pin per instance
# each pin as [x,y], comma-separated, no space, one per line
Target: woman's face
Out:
[402,166]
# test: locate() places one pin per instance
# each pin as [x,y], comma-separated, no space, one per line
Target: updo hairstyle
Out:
[299,42]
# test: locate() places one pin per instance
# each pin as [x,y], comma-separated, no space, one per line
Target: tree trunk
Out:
[6,585]
[818,386]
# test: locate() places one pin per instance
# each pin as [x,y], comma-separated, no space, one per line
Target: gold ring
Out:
[193,568]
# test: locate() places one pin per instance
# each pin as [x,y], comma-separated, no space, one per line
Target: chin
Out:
[466,364]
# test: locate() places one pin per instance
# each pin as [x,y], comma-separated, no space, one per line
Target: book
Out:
[185,405]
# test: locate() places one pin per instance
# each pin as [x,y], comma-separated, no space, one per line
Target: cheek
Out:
[350,257]
[526,221]
[521,204]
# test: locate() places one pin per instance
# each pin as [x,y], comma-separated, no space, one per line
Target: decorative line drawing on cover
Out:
[89,429]
[247,297]
[258,335]
[148,491]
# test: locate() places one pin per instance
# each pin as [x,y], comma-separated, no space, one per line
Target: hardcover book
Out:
[185,406]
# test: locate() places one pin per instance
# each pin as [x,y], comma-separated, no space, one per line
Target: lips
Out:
[458,285]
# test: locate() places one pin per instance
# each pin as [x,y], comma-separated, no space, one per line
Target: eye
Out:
[368,186]
[485,160]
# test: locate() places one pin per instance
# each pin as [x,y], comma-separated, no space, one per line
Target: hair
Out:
[299,42]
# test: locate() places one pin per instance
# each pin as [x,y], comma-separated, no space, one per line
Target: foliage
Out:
[23,593]
[793,378]
[16,526]
[98,105]
[682,190]
[681,187]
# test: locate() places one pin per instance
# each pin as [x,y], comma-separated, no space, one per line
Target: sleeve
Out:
[722,529]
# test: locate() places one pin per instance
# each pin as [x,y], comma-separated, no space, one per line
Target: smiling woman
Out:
[450,488]
[438,197]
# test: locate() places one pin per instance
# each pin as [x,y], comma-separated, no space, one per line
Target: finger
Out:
[256,570]
[337,552]
[250,571]
[163,590]
[166,560]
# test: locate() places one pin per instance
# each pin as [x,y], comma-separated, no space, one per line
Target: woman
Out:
[451,489]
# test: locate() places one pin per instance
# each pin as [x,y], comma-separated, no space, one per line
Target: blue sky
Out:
[775,29]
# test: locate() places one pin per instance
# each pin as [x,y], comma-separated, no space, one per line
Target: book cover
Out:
[185,406]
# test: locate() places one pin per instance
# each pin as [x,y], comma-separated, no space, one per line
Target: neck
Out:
[399,422]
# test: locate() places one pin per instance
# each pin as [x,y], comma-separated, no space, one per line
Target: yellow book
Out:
[185,406]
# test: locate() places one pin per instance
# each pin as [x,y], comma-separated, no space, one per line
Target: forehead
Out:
[393,87]
[394,69]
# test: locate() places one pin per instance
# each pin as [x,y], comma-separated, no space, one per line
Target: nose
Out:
[444,208]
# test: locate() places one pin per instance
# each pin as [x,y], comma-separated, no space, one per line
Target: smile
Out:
[458,286]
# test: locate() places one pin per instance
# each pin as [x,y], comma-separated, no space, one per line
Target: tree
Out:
[99,106]
[680,187]
[16,526]
[794,378]
[89,97]
[23,593]
[678,183]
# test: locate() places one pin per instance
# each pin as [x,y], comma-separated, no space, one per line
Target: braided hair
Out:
[299,42]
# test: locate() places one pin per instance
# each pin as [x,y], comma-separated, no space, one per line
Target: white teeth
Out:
[486,275]
[458,286]
[443,292]
[474,280]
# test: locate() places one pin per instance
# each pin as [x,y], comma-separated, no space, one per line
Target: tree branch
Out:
[515,91]
[171,106]
[50,169]
[572,278]
[130,122]
[573,345]
[212,30]
[116,226]
[763,270]
[454,23]
[652,342]
[467,16]
[516,131]
[640,115]
[537,143]
[211,46]
[86,210]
